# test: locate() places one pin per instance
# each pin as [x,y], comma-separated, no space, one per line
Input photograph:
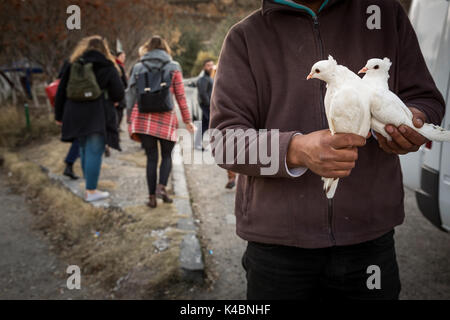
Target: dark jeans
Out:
[341,272]
[205,118]
[74,152]
[150,145]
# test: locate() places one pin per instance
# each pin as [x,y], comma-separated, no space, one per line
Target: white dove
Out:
[387,108]
[347,104]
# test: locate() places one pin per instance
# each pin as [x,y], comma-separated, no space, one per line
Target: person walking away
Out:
[153,128]
[120,107]
[204,90]
[85,105]
[300,244]
[74,151]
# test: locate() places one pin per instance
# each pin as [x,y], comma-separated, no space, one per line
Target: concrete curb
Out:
[191,259]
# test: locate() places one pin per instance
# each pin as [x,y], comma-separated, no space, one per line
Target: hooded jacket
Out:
[94,117]
[261,84]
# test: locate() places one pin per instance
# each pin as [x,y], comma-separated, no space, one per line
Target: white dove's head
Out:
[380,66]
[323,69]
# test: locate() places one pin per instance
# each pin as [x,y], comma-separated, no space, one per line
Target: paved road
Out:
[28,268]
[423,251]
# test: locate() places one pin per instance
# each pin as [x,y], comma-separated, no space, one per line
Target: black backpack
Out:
[153,89]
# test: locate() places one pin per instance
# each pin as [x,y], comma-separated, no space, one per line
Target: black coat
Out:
[123,76]
[85,118]
[204,88]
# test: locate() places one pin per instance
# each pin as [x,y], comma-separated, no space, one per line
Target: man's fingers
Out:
[340,155]
[345,140]
[398,140]
[382,142]
[413,136]
[419,118]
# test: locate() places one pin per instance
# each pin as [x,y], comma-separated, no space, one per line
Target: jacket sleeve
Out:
[234,106]
[60,98]
[115,88]
[202,87]
[130,92]
[180,96]
[416,87]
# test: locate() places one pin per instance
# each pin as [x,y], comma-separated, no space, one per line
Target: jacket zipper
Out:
[324,123]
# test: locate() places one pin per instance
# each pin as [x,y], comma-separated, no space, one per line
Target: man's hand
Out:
[330,156]
[404,139]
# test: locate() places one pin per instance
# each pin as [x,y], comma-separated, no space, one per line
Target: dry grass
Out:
[13,131]
[106,244]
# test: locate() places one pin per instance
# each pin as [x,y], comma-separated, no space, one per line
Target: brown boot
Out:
[161,193]
[152,201]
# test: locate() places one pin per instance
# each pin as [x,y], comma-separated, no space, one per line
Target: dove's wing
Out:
[350,111]
[387,108]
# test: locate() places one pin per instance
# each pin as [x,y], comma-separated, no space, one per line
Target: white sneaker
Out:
[97,195]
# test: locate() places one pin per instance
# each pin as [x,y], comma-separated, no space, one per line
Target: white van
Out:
[428,170]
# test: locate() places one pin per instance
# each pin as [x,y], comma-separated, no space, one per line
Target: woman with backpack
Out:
[153,82]
[85,105]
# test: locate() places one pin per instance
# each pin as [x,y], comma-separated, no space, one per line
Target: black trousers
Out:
[205,118]
[340,272]
[150,144]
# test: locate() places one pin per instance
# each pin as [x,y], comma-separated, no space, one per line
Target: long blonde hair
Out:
[96,43]
[156,42]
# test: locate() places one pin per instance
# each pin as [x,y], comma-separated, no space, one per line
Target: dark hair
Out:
[206,61]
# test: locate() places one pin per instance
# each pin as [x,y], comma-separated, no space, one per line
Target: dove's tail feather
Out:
[330,186]
[433,132]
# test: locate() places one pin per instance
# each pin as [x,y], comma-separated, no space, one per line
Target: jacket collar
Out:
[289,5]
[96,57]
[158,55]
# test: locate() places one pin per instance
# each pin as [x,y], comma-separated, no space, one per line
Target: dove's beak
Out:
[309,76]
[363,70]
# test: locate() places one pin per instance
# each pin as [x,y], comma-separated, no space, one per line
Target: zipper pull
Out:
[316,21]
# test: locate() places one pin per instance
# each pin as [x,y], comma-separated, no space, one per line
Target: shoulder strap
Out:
[159,69]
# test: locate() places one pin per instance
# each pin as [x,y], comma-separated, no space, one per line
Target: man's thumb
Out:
[418,121]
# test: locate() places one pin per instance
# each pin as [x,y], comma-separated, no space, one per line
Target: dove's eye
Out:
[317,71]
[376,67]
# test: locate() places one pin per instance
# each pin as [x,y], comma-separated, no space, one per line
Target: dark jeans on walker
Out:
[150,144]
[335,273]
[74,153]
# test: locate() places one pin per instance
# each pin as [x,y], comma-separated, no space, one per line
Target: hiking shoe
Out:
[68,172]
[230,184]
[152,201]
[161,193]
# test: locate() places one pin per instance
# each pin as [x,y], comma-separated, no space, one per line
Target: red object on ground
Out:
[51,89]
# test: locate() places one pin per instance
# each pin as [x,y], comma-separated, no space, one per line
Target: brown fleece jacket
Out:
[260,84]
